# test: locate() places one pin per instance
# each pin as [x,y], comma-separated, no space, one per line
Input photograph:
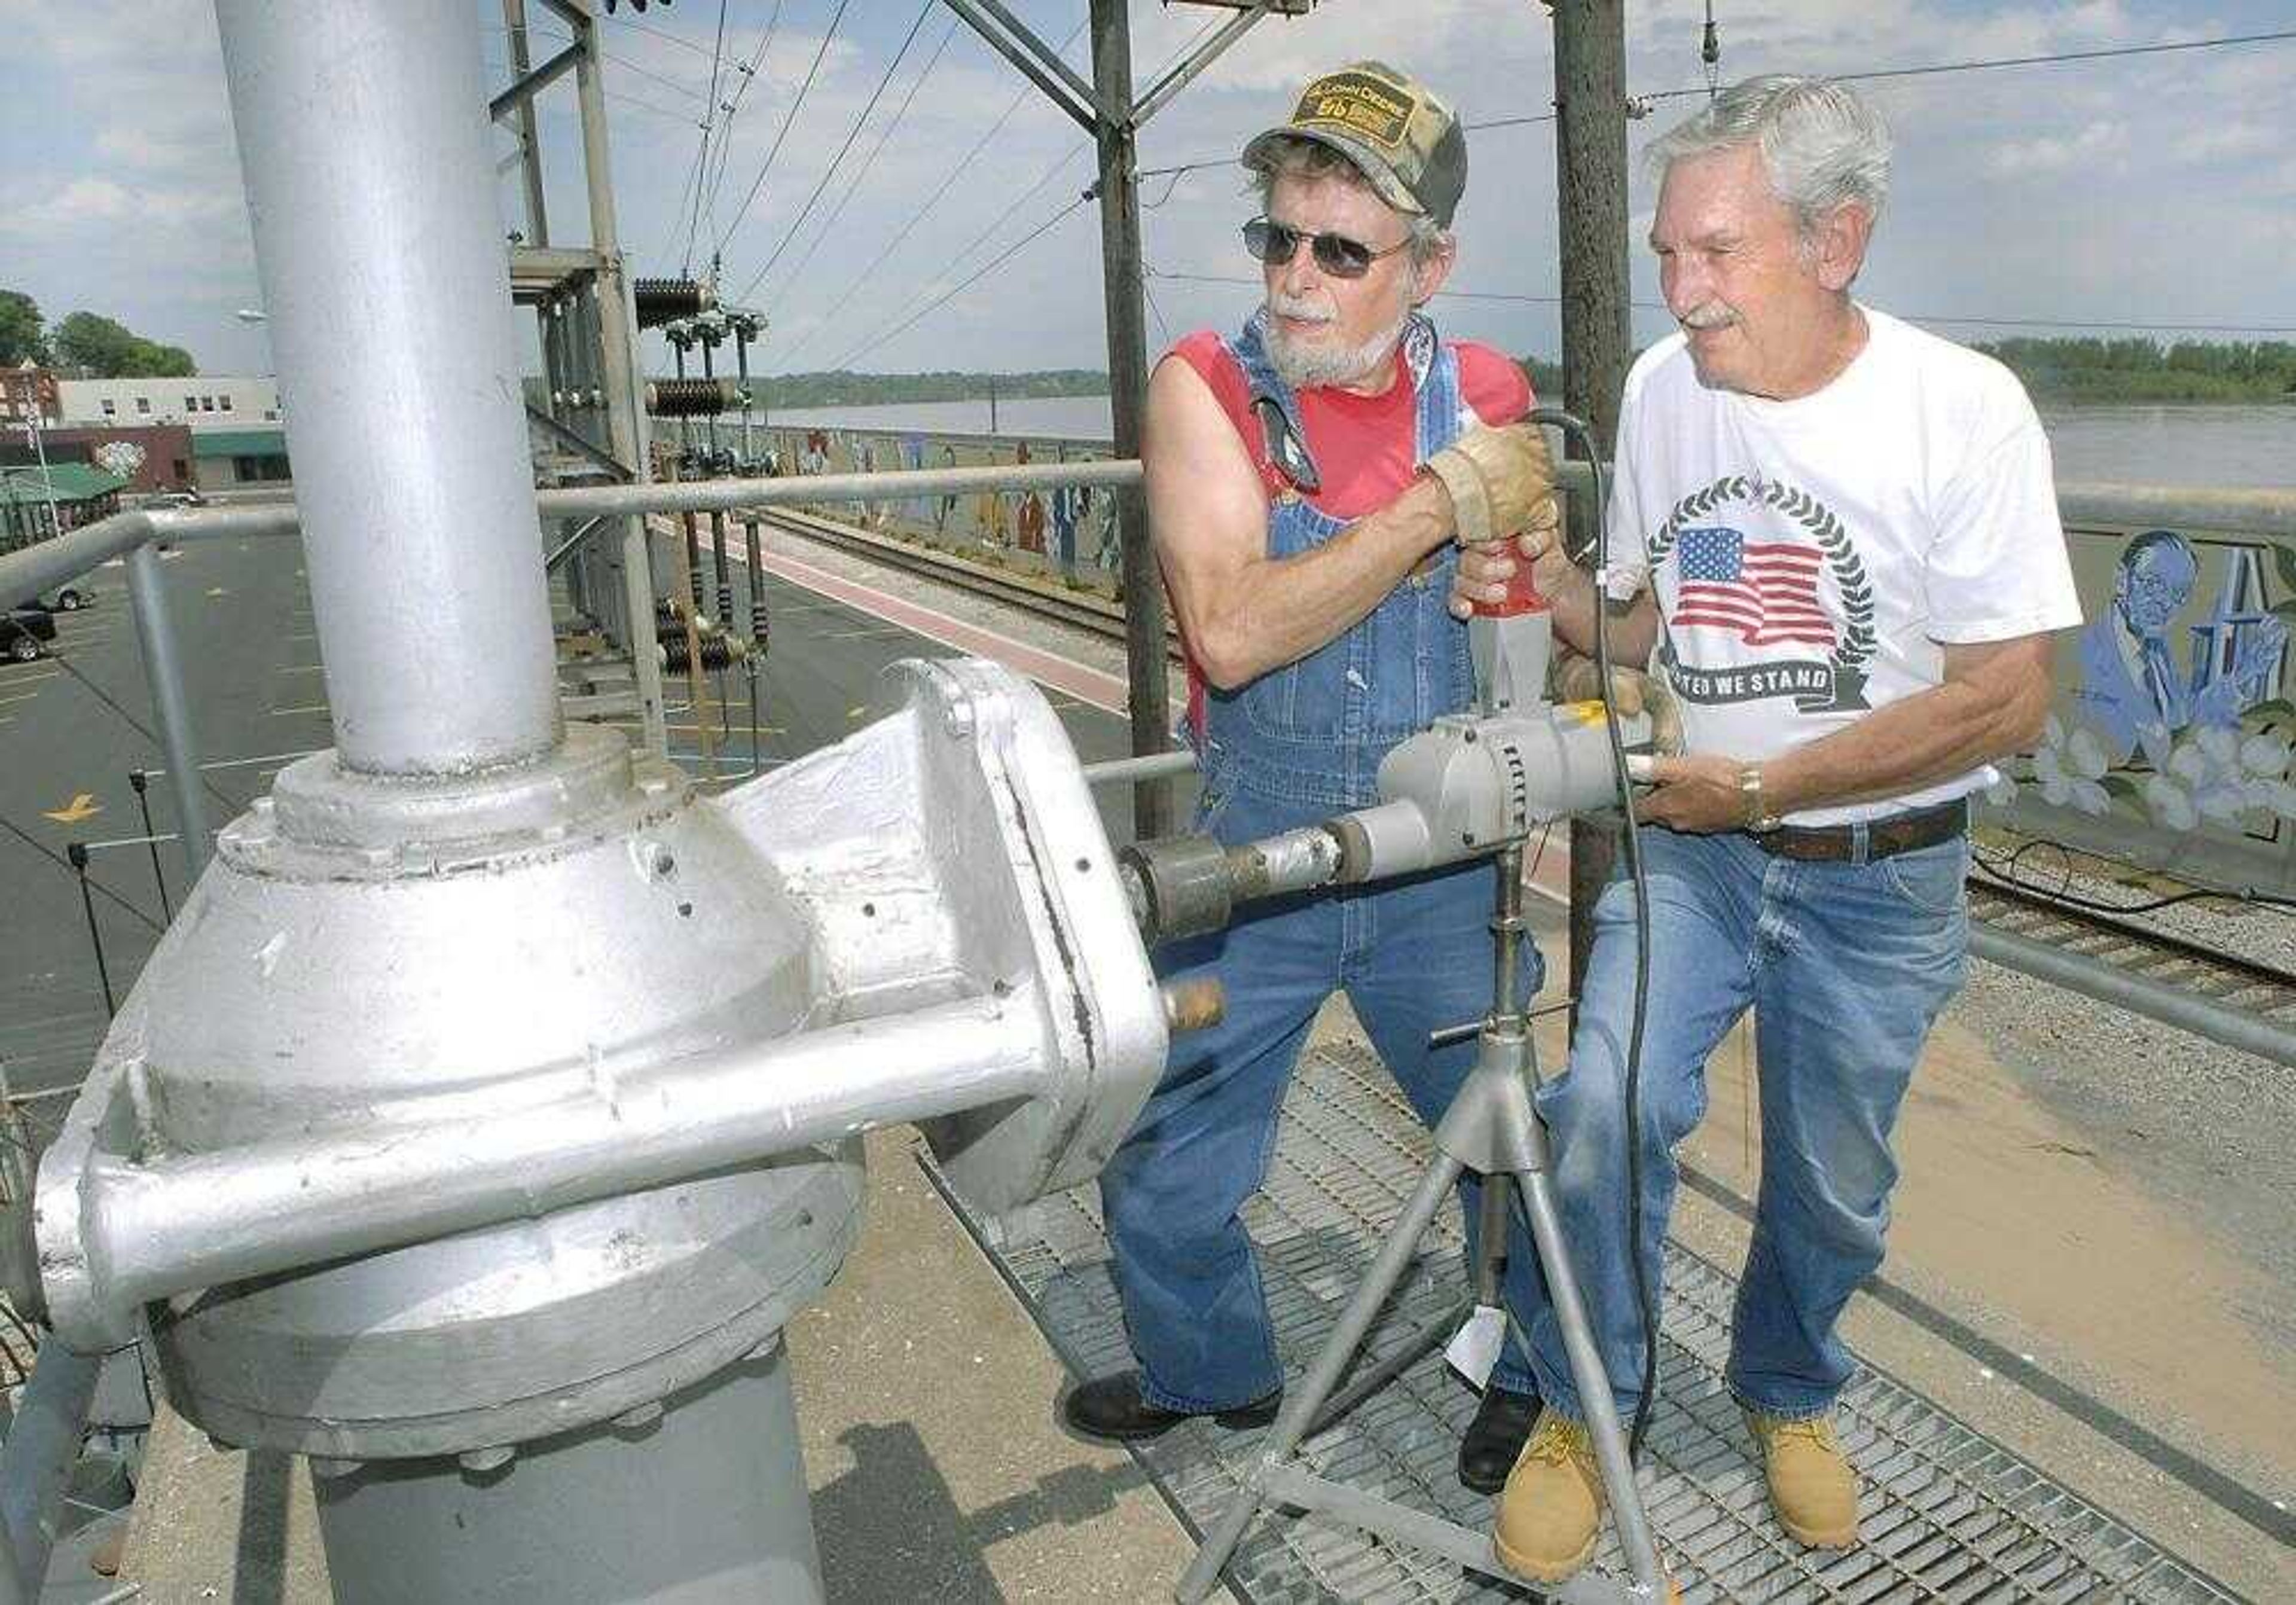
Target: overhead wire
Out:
[1043,179]
[709,127]
[938,302]
[964,165]
[789,122]
[749,71]
[851,135]
[796,272]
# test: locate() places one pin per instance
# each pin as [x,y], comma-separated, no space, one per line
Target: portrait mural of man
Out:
[2134,690]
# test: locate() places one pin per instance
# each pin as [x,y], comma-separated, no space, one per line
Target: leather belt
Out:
[1885,837]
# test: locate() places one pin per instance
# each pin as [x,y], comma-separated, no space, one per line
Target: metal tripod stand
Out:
[1492,1128]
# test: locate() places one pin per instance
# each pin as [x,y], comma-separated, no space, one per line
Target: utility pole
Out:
[1590,158]
[1107,110]
[1127,395]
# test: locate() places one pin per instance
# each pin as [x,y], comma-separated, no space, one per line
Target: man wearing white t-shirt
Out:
[1840,536]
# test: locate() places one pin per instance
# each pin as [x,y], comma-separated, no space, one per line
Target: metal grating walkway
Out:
[1947,1514]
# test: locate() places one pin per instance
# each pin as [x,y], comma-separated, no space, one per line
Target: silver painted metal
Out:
[492,1087]
[163,672]
[35,1462]
[366,151]
[40,567]
[2202,1016]
[1154,765]
[715,1514]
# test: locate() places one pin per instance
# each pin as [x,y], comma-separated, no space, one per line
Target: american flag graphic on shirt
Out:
[1764,593]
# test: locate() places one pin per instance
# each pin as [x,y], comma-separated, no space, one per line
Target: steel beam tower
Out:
[621,379]
[1106,109]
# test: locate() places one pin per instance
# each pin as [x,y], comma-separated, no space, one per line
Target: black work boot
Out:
[1494,1438]
[1110,1408]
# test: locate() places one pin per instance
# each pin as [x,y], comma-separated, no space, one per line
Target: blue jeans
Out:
[1412,956]
[1845,966]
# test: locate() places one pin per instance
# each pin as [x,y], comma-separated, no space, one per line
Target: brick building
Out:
[167,462]
[28,393]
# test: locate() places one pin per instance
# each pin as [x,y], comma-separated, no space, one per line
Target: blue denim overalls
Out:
[1296,746]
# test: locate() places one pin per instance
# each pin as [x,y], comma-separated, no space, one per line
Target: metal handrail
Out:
[35,568]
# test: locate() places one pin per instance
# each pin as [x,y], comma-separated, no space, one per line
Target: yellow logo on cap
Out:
[1356,103]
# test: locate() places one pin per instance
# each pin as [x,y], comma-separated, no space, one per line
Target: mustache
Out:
[1709,314]
[1306,309]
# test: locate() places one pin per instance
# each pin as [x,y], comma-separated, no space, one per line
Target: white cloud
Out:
[2056,153]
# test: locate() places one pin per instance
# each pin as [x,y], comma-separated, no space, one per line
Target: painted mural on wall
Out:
[2176,713]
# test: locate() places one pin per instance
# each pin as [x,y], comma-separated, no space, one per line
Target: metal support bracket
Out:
[1013,39]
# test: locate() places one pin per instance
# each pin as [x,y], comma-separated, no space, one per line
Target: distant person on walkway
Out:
[1300,482]
[1844,532]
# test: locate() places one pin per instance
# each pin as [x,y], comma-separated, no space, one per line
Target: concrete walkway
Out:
[925,1395]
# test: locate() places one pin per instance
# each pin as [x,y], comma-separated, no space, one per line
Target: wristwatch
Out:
[1759,818]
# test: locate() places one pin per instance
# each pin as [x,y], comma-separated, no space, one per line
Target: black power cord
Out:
[1572,424]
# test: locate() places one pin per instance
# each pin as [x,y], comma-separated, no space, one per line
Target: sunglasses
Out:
[1275,243]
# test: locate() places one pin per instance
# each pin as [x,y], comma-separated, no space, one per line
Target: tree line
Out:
[2140,369]
[93,345]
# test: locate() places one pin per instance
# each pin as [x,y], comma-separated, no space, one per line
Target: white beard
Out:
[1303,366]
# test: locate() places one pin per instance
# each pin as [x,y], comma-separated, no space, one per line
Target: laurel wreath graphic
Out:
[1857,644]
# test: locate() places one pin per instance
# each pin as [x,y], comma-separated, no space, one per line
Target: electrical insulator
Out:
[690,397]
[662,301]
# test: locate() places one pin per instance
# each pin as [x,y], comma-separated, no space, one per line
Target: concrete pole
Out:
[625,412]
[1590,157]
[163,672]
[363,137]
[1128,391]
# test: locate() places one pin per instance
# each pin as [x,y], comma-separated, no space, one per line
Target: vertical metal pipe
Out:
[1128,391]
[163,672]
[42,1448]
[626,414]
[363,137]
[1604,1431]
[1303,1400]
[529,149]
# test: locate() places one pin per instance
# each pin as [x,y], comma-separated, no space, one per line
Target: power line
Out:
[741,93]
[788,123]
[1043,179]
[964,165]
[1001,258]
[1182,169]
[797,273]
[851,135]
[2053,58]
[708,127]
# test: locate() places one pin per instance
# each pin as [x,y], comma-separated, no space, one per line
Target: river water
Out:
[2180,445]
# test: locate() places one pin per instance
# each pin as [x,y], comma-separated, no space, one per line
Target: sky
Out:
[2156,190]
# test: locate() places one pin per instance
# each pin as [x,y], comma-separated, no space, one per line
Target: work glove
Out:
[1501,482]
[1633,690]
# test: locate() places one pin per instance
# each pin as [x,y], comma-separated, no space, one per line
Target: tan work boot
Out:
[1812,1489]
[1551,1510]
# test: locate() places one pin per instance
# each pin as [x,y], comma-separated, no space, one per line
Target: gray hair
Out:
[1289,156]
[1823,147]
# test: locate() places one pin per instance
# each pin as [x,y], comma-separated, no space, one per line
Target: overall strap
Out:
[1284,436]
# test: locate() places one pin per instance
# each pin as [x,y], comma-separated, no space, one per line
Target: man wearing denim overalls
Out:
[1841,533]
[1306,482]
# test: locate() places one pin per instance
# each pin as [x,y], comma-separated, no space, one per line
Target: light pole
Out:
[47,482]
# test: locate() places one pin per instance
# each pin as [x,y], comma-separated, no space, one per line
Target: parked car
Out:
[28,625]
[70,599]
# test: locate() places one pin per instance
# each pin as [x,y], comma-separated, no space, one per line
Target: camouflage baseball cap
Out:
[1403,139]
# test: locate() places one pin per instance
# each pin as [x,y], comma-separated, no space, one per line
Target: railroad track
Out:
[2264,990]
[1048,599]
